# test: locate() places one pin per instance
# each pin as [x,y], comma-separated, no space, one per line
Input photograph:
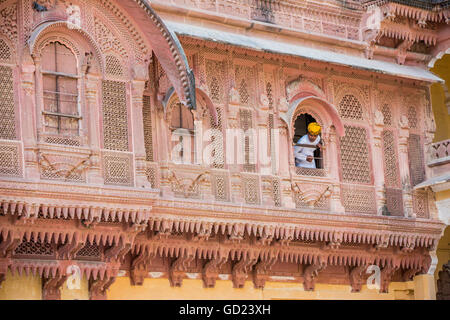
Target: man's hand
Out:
[309,158]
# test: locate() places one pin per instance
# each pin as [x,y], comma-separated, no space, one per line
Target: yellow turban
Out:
[314,128]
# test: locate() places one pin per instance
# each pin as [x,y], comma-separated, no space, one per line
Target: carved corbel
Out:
[311,273]
[51,287]
[409,274]
[138,270]
[385,279]
[117,251]
[178,269]
[211,271]
[4,265]
[98,288]
[356,277]
[8,245]
[261,272]
[69,250]
[240,271]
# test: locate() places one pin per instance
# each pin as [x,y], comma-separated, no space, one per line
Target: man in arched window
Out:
[306,145]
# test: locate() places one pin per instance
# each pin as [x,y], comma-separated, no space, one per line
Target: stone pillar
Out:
[403,135]
[94,174]
[378,161]
[28,116]
[137,123]
[331,165]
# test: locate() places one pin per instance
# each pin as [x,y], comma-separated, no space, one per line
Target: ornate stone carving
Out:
[211,271]
[311,272]
[179,268]
[241,270]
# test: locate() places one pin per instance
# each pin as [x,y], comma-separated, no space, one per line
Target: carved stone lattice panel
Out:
[251,189]
[217,144]
[152,172]
[416,161]
[148,128]
[68,141]
[310,172]
[10,159]
[350,107]
[246,121]
[34,248]
[113,66]
[90,251]
[358,199]
[276,192]
[220,187]
[115,115]
[355,155]
[391,170]
[118,168]
[394,202]
[420,204]
[387,115]
[5,51]
[245,78]
[215,77]
[412,117]
[7,106]
[63,166]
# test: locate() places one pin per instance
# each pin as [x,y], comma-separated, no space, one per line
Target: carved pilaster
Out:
[403,135]
[29,116]
[94,174]
[140,76]
[378,160]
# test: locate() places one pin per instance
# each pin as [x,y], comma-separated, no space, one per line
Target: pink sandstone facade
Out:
[92,95]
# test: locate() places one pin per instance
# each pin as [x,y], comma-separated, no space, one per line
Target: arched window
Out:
[60,90]
[305,148]
[182,127]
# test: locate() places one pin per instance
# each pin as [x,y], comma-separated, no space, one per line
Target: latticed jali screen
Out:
[350,107]
[355,155]
[115,116]
[10,159]
[148,134]
[251,189]
[218,155]
[358,199]
[420,204]
[34,248]
[118,169]
[220,186]
[416,161]
[91,251]
[276,192]
[7,110]
[246,124]
[394,194]
[215,77]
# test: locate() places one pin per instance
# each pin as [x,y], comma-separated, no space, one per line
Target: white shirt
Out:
[301,153]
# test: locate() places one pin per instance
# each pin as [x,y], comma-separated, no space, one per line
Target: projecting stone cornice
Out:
[140,210]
